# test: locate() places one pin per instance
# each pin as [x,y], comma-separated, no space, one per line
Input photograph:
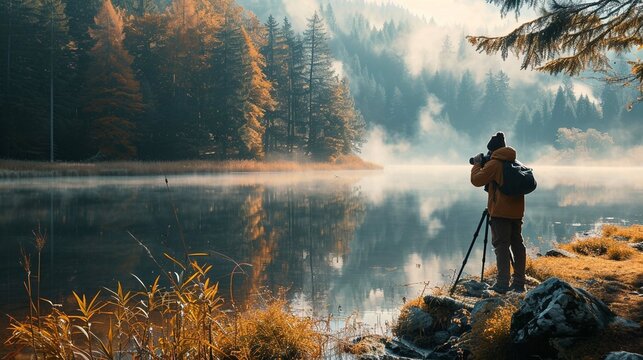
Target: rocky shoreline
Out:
[592,314]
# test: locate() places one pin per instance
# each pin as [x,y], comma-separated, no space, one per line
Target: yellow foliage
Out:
[489,336]
[368,344]
[184,318]
[601,246]
[271,333]
[632,233]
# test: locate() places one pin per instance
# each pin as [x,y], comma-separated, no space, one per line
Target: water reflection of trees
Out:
[289,234]
[292,237]
[321,237]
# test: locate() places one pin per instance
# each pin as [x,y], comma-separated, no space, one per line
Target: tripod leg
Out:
[464,263]
[484,250]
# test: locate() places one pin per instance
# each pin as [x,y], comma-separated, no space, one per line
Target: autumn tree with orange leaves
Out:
[114,101]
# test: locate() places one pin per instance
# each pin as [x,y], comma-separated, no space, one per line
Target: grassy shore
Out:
[186,316]
[608,268]
[29,169]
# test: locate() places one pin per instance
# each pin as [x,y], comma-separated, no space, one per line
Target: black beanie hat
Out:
[497,141]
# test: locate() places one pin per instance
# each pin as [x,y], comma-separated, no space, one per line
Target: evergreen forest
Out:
[219,79]
[189,79]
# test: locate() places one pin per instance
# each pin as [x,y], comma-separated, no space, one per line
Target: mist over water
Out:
[359,240]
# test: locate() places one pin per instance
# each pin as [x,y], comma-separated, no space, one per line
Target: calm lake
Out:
[338,242]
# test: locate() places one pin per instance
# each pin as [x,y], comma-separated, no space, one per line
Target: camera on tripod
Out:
[485,158]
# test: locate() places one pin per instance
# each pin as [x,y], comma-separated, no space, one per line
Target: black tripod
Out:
[485,219]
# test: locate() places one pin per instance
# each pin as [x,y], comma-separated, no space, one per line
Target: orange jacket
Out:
[499,204]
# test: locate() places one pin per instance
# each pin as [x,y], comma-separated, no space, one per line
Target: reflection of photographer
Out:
[505,211]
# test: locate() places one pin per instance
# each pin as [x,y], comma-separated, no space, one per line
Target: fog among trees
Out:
[217,79]
[477,96]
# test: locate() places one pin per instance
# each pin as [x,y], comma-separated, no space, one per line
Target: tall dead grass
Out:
[178,316]
[633,233]
[601,247]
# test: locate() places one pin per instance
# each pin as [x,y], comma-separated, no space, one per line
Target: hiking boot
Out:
[517,288]
[500,289]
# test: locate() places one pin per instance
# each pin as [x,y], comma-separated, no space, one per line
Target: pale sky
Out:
[473,14]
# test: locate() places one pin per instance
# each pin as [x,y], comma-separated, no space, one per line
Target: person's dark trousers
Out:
[506,234]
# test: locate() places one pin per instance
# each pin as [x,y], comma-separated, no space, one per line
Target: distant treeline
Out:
[532,112]
[184,80]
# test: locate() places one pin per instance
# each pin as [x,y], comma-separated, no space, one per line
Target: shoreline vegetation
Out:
[15,169]
[607,266]
[183,313]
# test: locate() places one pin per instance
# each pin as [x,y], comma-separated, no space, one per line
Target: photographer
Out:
[506,213]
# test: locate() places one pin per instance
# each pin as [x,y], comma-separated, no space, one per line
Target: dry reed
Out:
[184,319]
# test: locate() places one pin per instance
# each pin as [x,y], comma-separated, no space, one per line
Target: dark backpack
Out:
[517,179]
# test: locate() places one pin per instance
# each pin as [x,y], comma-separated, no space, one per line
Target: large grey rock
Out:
[623,355]
[485,307]
[560,253]
[625,324]
[445,302]
[377,347]
[636,246]
[555,309]
[474,288]
[403,350]
[416,323]
[450,350]
[440,337]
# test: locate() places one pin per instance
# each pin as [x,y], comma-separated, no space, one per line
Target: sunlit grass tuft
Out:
[489,337]
[601,247]
[271,333]
[632,233]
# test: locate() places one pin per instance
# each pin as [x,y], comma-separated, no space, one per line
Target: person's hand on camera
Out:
[478,159]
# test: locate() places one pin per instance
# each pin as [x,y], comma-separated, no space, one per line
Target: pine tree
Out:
[275,53]
[521,129]
[227,68]
[187,49]
[488,114]
[466,103]
[320,74]
[114,101]
[536,129]
[36,71]
[256,101]
[242,93]
[295,84]
[572,36]
[144,40]
[343,130]
[396,106]
[587,115]
[24,107]
[138,7]
[502,104]
[61,72]
[447,55]
[610,104]
[561,115]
